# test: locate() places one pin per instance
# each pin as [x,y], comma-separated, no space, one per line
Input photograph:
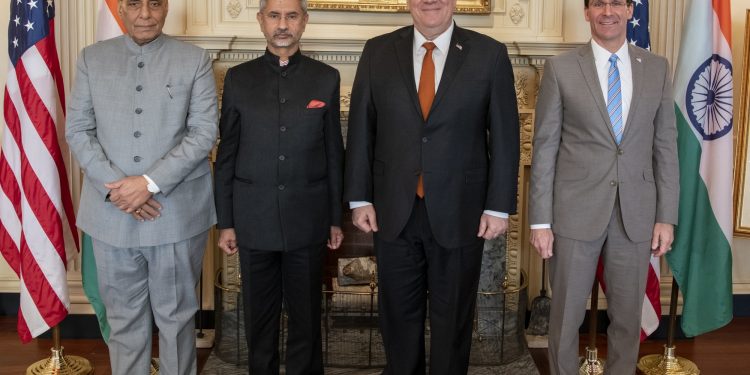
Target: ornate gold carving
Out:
[462,6]
[522,96]
[234,8]
[516,13]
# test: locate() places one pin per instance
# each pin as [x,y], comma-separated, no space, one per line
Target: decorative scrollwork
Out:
[516,13]
[234,8]
[521,93]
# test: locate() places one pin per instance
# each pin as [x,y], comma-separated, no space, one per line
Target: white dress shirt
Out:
[601,61]
[439,55]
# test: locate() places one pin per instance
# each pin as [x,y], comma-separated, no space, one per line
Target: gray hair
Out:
[302,4]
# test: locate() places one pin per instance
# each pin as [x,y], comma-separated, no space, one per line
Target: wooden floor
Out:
[722,352]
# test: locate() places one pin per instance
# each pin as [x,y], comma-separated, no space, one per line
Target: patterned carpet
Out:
[522,366]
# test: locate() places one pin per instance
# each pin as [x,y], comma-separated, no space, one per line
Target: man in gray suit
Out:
[141,122]
[604,181]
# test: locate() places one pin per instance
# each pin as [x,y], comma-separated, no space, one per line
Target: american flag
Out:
[638,35]
[36,211]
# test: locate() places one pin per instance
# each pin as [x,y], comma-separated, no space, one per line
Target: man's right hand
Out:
[542,240]
[228,241]
[364,218]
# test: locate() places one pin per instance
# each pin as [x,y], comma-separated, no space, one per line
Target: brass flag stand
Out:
[668,363]
[591,364]
[59,364]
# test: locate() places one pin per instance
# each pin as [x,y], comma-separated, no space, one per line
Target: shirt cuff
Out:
[502,215]
[540,226]
[152,186]
[358,204]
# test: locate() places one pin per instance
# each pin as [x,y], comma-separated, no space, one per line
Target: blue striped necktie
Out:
[614,98]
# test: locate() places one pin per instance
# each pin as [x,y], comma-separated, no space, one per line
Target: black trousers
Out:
[267,278]
[410,266]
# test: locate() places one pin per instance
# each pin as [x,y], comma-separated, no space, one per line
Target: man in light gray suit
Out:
[141,122]
[604,181]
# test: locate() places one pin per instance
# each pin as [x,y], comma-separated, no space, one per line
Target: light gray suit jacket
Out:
[151,110]
[578,170]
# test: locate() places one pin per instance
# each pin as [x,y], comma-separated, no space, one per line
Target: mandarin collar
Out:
[149,47]
[274,60]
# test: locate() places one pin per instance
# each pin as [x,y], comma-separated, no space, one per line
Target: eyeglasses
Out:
[614,5]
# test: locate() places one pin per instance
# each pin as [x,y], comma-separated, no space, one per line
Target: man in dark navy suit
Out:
[432,165]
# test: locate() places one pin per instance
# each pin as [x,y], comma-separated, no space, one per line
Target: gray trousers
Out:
[572,273]
[145,283]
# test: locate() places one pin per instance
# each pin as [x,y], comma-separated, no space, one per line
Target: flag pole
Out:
[58,363]
[668,363]
[591,364]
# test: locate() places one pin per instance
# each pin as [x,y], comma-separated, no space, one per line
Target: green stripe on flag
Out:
[701,259]
[91,285]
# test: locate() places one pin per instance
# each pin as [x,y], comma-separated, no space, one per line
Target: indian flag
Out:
[702,257]
[108,26]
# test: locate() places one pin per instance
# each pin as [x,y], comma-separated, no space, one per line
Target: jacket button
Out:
[282,100]
[283,128]
[137,134]
[424,140]
[283,74]
[613,183]
[141,64]
[282,157]
[282,187]
[138,111]
[139,88]
[137,159]
[620,151]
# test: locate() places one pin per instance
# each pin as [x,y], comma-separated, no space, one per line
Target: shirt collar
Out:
[601,54]
[149,47]
[442,42]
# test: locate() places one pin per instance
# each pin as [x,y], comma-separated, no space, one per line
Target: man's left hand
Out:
[661,241]
[336,237]
[491,227]
[128,193]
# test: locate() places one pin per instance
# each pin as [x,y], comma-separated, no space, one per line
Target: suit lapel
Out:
[457,50]
[588,70]
[404,53]
[637,70]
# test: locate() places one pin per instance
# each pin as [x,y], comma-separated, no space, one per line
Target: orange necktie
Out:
[426,94]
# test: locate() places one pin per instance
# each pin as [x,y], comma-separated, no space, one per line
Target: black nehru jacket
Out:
[280,159]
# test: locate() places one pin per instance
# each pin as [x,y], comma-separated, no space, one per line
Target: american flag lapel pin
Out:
[638,59]
[459,46]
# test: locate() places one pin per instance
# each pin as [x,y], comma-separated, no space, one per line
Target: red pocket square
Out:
[315,104]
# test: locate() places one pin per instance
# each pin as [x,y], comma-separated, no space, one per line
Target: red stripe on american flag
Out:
[12,124]
[44,209]
[48,51]
[46,300]
[23,330]
[9,185]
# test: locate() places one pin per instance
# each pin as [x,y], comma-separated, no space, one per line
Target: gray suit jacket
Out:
[578,170]
[151,110]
